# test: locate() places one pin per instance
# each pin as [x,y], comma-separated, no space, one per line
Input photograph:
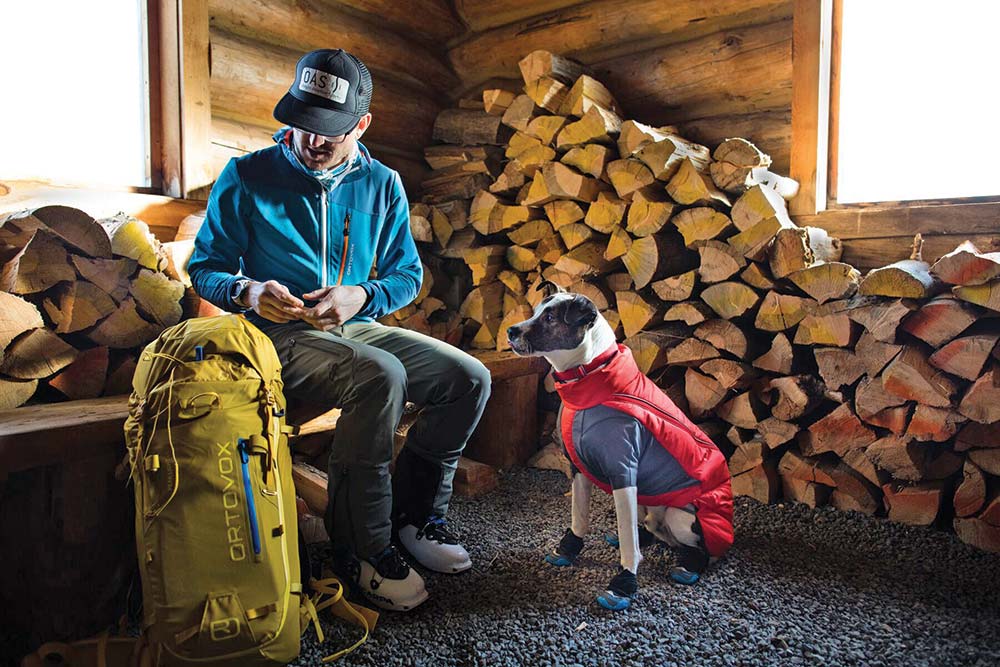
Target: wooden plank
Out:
[195,102]
[771,131]
[164,17]
[162,214]
[603,29]
[506,365]
[741,70]
[387,54]
[248,79]
[811,35]
[482,15]
[507,435]
[429,21]
[888,220]
[866,254]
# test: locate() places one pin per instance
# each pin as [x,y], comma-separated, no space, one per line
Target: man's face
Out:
[319,152]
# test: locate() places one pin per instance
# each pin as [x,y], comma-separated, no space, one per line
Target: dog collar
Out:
[580,372]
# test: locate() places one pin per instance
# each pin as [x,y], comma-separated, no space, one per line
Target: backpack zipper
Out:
[251,503]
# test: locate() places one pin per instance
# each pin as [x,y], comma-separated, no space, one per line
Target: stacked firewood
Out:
[873,394]
[78,297]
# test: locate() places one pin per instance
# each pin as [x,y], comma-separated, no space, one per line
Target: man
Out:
[293,233]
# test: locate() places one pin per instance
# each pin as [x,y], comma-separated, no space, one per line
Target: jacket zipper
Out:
[323,234]
[673,419]
[347,240]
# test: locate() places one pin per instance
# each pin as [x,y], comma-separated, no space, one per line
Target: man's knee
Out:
[380,376]
[466,375]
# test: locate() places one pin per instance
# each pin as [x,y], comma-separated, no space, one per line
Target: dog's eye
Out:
[549,317]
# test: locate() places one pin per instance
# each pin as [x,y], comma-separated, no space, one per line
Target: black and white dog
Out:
[625,436]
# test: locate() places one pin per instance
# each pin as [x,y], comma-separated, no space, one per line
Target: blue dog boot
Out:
[621,591]
[566,553]
[683,576]
[646,538]
[612,540]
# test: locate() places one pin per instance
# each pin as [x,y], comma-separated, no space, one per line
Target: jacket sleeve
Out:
[400,272]
[221,241]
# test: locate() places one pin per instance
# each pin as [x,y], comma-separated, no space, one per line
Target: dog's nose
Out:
[513,333]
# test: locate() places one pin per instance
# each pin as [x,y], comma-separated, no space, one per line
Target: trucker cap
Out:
[331,92]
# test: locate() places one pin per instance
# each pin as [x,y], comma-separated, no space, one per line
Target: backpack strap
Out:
[340,607]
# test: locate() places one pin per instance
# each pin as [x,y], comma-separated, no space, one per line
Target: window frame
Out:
[816,46]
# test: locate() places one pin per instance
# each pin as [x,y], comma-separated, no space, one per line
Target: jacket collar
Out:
[595,386]
[283,137]
[580,372]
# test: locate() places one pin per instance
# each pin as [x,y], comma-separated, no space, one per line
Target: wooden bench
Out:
[59,433]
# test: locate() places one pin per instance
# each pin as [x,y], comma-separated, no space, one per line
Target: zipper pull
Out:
[347,224]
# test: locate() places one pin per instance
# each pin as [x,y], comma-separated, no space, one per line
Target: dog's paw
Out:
[567,552]
[612,540]
[683,576]
[621,591]
[613,602]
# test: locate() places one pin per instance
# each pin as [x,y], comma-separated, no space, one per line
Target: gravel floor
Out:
[800,587]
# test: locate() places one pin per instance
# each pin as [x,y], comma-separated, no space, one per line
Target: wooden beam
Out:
[195,102]
[482,15]
[429,21]
[811,41]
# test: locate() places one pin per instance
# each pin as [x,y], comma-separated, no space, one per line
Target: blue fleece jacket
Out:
[269,218]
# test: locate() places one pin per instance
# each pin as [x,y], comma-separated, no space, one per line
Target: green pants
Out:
[370,371]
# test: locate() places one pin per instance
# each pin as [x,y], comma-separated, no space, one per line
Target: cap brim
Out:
[328,122]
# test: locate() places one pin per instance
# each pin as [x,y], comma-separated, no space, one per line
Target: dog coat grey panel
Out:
[618,450]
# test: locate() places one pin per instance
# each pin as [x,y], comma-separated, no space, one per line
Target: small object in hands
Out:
[199,353]
[683,576]
[567,552]
[621,591]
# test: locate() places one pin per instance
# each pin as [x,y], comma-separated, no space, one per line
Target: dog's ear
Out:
[548,288]
[580,311]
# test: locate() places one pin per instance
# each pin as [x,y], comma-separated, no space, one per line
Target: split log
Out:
[420,224]
[84,378]
[747,456]
[71,226]
[442,227]
[735,159]
[965,265]
[652,257]
[761,483]
[858,461]
[675,288]
[635,135]
[912,377]
[131,238]
[899,456]
[605,213]
[575,235]
[965,356]
[510,180]
[730,299]
[483,303]
[40,264]
[596,126]
[795,466]
[557,181]
[930,424]
[649,212]
[590,159]
[477,157]
[124,328]
[484,262]
[531,232]
[829,325]
[801,491]
[584,261]
[871,398]
[15,394]
[908,278]
[838,367]
[488,215]
[496,100]
[16,317]
[779,312]
[853,492]
[545,129]
[880,316]
[724,335]
[468,127]
[598,295]
[157,297]
[541,63]
[838,432]
[757,276]
[629,175]
[666,156]
[757,204]
[637,312]
[689,186]
[77,305]
[585,93]
[36,355]
[519,113]
[776,432]
[779,358]
[875,354]
[691,352]
[797,248]
[719,261]
[650,347]
[796,396]
[703,393]
[457,213]
[827,281]
[754,241]
[978,533]
[522,259]
[689,312]
[981,402]
[516,316]
[916,505]
[987,459]
[743,410]
[977,436]
[970,495]
[562,212]
[701,224]
[940,319]
[730,374]
[987,295]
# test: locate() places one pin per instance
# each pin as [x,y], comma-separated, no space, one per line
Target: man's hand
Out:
[336,305]
[273,301]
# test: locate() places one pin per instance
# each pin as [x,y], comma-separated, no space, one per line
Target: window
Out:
[917,102]
[76,88]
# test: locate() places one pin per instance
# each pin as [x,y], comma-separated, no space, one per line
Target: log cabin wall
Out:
[254,46]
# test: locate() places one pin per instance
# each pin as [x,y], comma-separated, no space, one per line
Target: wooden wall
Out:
[254,45]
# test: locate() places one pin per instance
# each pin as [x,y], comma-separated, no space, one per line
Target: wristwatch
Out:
[238,290]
